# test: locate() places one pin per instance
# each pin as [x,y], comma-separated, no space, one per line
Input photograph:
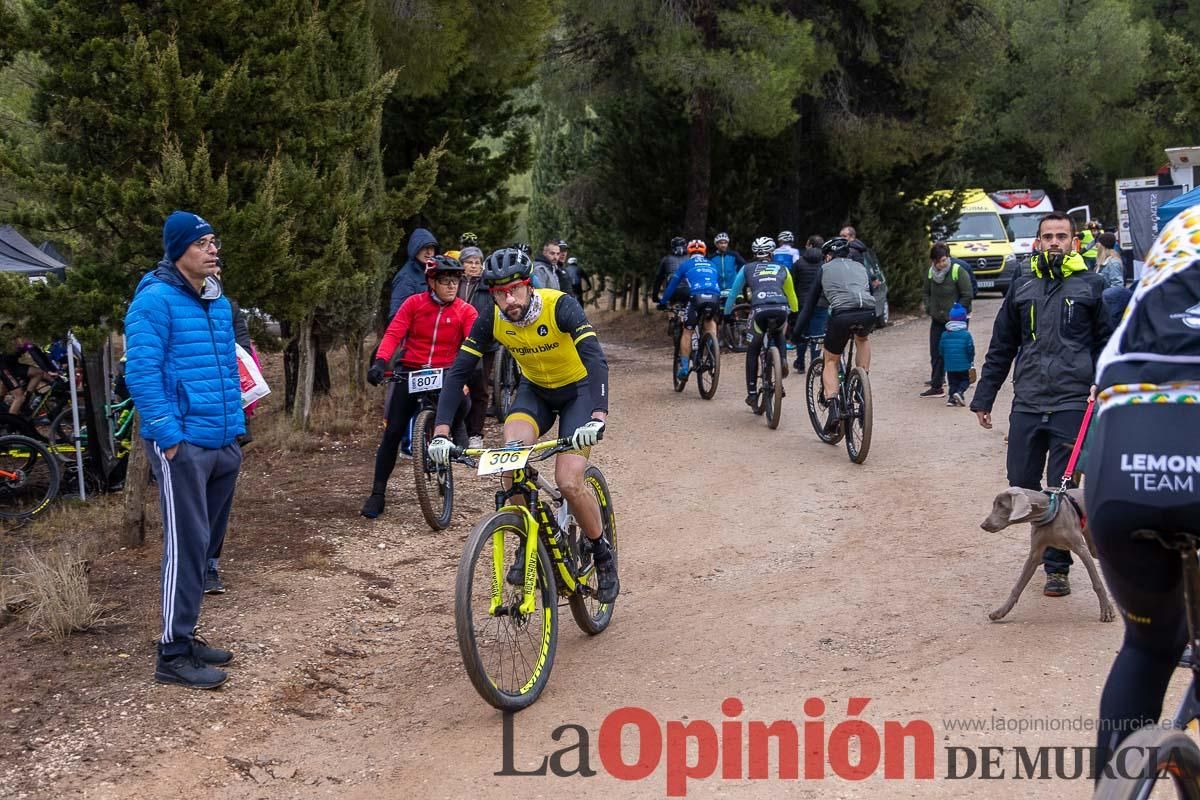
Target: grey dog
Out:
[1054,525]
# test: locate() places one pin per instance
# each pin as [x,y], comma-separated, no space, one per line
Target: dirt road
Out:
[756,564]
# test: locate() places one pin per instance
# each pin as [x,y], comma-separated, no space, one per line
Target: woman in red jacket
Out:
[427,331]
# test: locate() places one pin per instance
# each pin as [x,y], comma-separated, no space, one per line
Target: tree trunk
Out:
[290,357]
[321,380]
[699,167]
[635,293]
[137,478]
[305,370]
[356,351]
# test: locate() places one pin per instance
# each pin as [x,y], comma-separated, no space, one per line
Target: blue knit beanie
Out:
[180,230]
[958,313]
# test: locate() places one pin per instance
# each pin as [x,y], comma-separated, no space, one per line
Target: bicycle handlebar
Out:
[542,450]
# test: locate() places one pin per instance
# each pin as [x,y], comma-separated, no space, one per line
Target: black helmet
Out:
[522,246]
[677,245]
[506,266]
[838,247]
[469,239]
[442,265]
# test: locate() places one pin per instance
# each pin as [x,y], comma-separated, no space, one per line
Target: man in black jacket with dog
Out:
[1053,323]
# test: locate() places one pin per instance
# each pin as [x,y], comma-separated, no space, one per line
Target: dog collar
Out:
[1051,510]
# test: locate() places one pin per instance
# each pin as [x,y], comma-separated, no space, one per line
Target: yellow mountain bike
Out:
[515,566]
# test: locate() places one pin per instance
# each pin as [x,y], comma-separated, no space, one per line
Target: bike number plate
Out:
[493,461]
[424,380]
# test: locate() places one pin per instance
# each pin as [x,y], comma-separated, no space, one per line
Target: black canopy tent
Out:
[19,255]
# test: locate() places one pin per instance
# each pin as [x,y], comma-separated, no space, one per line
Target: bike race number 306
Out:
[493,461]
[424,380]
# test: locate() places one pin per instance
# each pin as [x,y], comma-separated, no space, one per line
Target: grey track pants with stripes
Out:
[195,488]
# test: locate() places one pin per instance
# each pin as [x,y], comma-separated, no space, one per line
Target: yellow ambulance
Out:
[979,239]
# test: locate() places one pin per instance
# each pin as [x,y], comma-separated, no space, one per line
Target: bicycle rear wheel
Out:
[435,485]
[508,655]
[773,387]
[814,395]
[708,370]
[1151,756]
[858,420]
[29,477]
[590,614]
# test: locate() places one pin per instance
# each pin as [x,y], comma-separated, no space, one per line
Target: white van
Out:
[1020,210]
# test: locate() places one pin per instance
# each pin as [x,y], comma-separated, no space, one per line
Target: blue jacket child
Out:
[956,345]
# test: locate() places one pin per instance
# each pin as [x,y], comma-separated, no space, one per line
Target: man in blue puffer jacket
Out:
[182,371]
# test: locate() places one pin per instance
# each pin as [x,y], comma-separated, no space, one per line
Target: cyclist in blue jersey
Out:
[727,261]
[786,253]
[772,297]
[704,288]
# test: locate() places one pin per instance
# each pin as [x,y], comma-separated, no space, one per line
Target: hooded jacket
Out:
[180,363]
[957,347]
[545,273]
[410,279]
[804,272]
[1059,325]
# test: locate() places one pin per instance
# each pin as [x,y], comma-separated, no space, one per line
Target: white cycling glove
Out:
[439,450]
[587,434]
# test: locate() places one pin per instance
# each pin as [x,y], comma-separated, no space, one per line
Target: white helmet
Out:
[763,246]
[721,237]
[786,237]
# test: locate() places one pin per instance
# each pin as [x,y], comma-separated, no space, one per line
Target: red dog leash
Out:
[1087,419]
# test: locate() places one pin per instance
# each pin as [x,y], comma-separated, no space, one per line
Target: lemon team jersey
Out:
[558,348]
[546,353]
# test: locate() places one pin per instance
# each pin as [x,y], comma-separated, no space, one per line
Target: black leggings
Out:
[760,321]
[1126,493]
[400,413]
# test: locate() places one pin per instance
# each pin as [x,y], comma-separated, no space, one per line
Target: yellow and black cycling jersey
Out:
[557,348]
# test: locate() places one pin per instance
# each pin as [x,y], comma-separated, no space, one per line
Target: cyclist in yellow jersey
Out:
[563,375]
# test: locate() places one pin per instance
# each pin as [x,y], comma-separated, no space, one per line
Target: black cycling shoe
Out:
[373,507]
[188,670]
[752,400]
[834,422]
[607,584]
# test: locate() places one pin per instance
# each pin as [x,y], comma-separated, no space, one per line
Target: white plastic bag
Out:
[254,386]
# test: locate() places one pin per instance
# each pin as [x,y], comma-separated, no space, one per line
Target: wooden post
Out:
[137,477]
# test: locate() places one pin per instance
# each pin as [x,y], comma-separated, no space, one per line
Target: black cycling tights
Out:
[754,349]
[1124,494]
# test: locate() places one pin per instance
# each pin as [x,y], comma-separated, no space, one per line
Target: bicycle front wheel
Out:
[435,485]
[29,477]
[508,654]
[1152,756]
[590,614]
[708,370]
[814,396]
[858,416]
[773,386]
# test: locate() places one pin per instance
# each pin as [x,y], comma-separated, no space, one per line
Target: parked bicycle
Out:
[29,477]
[507,633]
[855,393]
[770,374]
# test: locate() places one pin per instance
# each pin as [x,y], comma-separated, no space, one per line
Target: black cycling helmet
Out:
[838,247]
[442,265]
[507,265]
[677,245]
[469,239]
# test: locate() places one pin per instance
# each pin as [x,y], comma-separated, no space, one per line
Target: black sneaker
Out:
[752,400]
[212,582]
[958,399]
[1057,585]
[188,670]
[213,656]
[607,584]
[933,391]
[373,507]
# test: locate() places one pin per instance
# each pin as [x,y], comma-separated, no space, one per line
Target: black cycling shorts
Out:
[840,323]
[698,304]
[572,405]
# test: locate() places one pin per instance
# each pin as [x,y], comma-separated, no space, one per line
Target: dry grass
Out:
[55,584]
